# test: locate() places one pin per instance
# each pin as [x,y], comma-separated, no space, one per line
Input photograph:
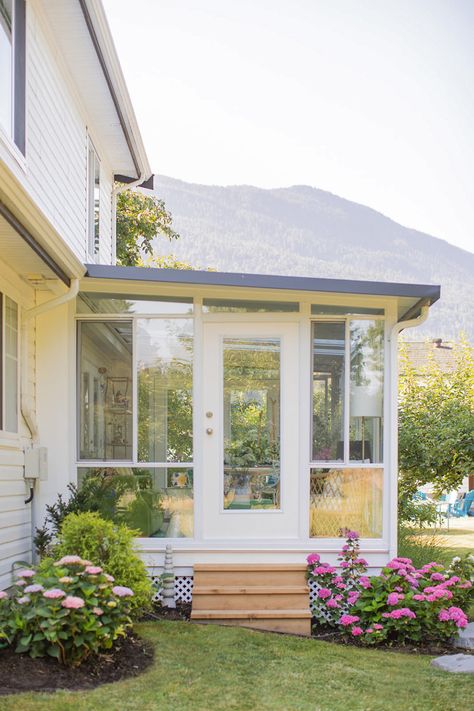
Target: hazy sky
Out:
[370,99]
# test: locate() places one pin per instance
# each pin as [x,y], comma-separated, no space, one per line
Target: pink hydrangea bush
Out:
[337,587]
[68,610]
[409,605]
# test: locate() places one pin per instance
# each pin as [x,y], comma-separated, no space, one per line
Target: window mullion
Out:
[347,388]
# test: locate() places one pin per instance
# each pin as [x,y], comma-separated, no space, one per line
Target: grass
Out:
[200,668]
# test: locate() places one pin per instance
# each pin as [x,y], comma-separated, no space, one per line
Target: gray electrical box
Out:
[36,463]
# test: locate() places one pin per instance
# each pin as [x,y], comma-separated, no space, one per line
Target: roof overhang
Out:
[410,297]
[83,35]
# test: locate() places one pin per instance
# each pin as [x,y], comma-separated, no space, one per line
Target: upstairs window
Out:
[93,201]
[12,70]
[8,364]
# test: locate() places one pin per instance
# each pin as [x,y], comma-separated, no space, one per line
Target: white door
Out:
[250,422]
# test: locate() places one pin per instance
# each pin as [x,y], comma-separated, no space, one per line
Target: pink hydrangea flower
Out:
[466,585]
[352,597]
[313,558]
[322,570]
[122,591]
[54,593]
[401,612]
[25,573]
[36,587]
[332,603]
[419,598]
[73,603]
[352,535]
[110,578]
[437,576]
[357,631]
[364,581]
[369,630]
[93,570]
[65,580]
[97,611]
[23,600]
[455,614]
[3,595]
[71,560]
[344,564]
[346,620]
[361,561]
[378,626]
[394,598]
[323,593]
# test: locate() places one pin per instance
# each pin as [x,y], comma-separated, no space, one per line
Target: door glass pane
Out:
[105,390]
[156,501]
[11,365]
[245,306]
[165,390]
[366,391]
[346,498]
[251,423]
[328,391]
[6,70]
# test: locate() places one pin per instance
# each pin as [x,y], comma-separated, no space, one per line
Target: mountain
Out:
[309,232]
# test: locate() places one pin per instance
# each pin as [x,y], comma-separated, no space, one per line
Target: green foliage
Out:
[420,549]
[417,513]
[68,610]
[436,425]
[110,545]
[408,605]
[140,218]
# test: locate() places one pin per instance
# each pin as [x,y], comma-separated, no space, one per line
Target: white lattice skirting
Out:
[183,585]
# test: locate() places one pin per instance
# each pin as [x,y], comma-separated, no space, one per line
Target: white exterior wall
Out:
[54,169]
[15,515]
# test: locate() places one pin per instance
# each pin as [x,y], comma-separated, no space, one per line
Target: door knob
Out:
[209,430]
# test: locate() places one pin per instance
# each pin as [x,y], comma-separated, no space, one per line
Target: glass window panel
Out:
[105,390]
[346,498]
[6,65]
[89,302]
[366,391]
[331,310]
[165,390]
[156,501]
[251,423]
[328,391]
[241,306]
[11,365]
[93,168]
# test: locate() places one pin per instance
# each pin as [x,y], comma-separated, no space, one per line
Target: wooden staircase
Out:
[272,597]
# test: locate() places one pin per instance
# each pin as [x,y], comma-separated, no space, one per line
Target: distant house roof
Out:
[442,352]
[411,297]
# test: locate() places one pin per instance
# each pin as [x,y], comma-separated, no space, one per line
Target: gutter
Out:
[25,408]
[393,418]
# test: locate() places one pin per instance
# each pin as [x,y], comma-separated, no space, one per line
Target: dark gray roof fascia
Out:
[430,292]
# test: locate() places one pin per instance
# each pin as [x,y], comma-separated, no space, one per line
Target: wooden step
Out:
[291,597]
[287,621]
[268,574]
[270,596]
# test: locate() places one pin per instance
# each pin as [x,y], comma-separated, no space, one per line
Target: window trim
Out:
[15,134]
[93,239]
[3,430]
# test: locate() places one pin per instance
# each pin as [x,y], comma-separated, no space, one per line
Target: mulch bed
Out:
[327,634]
[19,673]
[181,612]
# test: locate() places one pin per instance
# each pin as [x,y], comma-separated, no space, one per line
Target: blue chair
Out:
[463,507]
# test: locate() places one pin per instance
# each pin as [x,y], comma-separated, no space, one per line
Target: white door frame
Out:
[219,523]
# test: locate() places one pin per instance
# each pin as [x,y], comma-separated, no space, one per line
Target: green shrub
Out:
[111,546]
[68,611]
[421,549]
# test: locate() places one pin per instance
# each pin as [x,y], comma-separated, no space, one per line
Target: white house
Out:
[248,419]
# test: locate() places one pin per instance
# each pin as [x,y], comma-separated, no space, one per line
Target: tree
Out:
[140,218]
[436,424]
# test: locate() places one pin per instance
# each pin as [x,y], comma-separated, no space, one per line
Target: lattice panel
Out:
[313,593]
[183,585]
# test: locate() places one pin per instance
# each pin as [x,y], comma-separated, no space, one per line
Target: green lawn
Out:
[208,667]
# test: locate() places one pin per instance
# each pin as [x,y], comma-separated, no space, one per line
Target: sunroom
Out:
[245,418]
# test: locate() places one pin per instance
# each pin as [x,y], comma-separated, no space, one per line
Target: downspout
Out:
[27,412]
[393,341]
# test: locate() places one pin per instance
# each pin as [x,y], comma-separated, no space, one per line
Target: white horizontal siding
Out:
[56,148]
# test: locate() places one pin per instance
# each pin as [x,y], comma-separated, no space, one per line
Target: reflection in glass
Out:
[328,391]
[366,391]
[96,302]
[156,501]
[251,423]
[332,310]
[165,382]
[105,390]
[346,498]
[11,365]
[246,306]
[6,65]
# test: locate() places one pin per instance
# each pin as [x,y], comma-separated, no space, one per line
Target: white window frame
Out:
[3,359]
[93,239]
